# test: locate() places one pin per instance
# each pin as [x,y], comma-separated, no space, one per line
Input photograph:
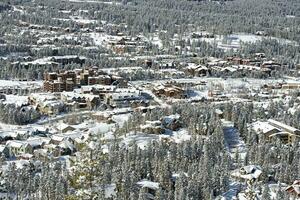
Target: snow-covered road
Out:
[236,147]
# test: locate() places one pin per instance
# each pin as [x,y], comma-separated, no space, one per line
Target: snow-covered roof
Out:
[148,184]
[16,143]
[58,137]
[63,126]
[41,97]
[295,187]
[282,126]
[16,99]
[8,134]
[66,145]
[2,148]
[123,96]
[263,127]
[52,103]
[169,119]
[71,95]
[38,141]
[231,69]
[149,124]
[249,172]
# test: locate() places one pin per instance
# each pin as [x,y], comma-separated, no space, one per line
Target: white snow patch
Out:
[141,139]
[180,136]
[15,99]
[110,190]
[148,184]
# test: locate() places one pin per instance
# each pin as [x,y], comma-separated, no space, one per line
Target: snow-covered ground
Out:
[155,40]
[101,128]
[18,100]
[235,145]
[140,139]
[81,20]
[91,1]
[180,136]
[110,190]
[101,39]
[234,41]
[143,139]
[20,84]
[234,142]
[227,84]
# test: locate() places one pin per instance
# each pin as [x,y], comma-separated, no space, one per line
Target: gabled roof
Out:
[282,126]
[294,188]
[17,143]
[63,126]
[66,145]
[263,127]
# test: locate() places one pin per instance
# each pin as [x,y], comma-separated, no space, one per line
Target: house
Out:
[248,173]
[124,99]
[17,147]
[288,133]
[52,149]
[71,79]
[38,98]
[285,137]
[153,127]
[229,69]
[101,116]
[169,90]
[290,86]
[40,131]
[51,107]
[219,113]
[264,128]
[58,138]
[77,138]
[38,142]
[294,189]
[46,103]
[273,130]
[196,70]
[271,65]
[74,100]
[42,154]
[119,81]
[66,148]
[63,128]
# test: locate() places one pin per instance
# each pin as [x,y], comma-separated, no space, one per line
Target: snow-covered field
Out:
[228,83]
[91,1]
[15,99]
[235,40]
[20,84]
[81,20]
